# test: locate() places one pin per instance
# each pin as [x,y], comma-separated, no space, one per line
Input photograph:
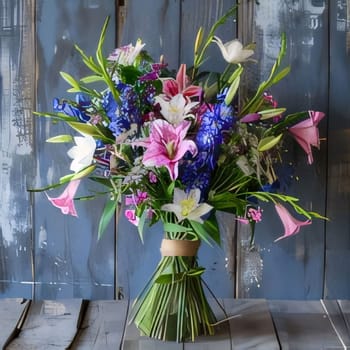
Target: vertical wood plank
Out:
[48,325]
[294,268]
[17,99]
[338,189]
[70,262]
[303,325]
[251,324]
[156,23]
[103,326]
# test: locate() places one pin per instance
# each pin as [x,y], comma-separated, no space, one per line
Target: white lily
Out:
[176,109]
[127,54]
[187,206]
[83,153]
[233,51]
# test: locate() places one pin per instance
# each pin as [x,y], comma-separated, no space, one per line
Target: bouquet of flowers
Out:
[176,148]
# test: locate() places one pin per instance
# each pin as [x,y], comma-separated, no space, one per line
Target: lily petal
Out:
[233,51]
[306,133]
[65,201]
[83,153]
[291,225]
[186,205]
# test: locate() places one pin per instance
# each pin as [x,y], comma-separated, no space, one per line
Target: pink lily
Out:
[167,145]
[181,85]
[291,225]
[65,201]
[306,133]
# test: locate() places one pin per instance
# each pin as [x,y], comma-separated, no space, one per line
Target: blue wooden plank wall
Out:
[46,255]
[43,253]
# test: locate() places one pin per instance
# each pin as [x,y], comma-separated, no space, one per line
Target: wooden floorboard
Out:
[48,325]
[102,326]
[242,324]
[11,311]
[304,325]
[251,324]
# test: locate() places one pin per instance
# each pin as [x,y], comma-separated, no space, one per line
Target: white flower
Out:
[126,55]
[176,109]
[187,206]
[233,51]
[82,154]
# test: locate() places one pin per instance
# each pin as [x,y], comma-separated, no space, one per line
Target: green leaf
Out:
[269,142]
[282,74]
[201,232]
[91,79]
[168,278]
[58,115]
[88,61]
[106,217]
[270,113]
[211,226]
[171,227]
[85,172]
[196,272]
[232,91]
[141,224]
[76,176]
[92,130]
[69,79]
[60,139]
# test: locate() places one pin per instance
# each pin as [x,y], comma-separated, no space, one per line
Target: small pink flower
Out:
[152,177]
[306,133]
[130,214]
[135,199]
[291,225]
[255,214]
[65,201]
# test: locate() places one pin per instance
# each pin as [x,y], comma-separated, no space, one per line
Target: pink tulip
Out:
[306,133]
[181,85]
[65,201]
[167,145]
[291,225]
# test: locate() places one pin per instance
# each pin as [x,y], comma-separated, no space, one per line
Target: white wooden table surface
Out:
[254,324]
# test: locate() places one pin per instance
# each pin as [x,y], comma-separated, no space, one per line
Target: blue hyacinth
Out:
[196,171]
[78,110]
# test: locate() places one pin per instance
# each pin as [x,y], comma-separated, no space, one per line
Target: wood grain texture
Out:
[304,325]
[251,325]
[103,325]
[12,315]
[244,324]
[48,325]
